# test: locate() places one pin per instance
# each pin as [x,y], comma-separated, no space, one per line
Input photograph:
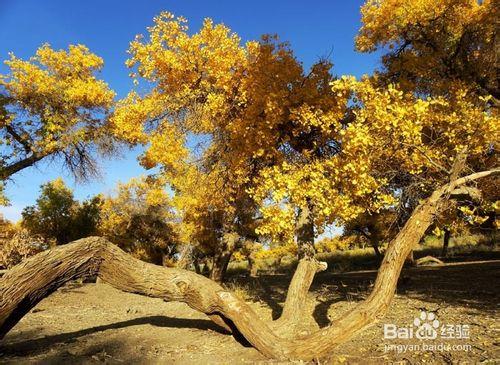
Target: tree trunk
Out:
[305,234]
[196,264]
[219,265]
[446,241]
[378,254]
[252,267]
[294,315]
[185,257]
[23,286]
[228,244]
[374,238]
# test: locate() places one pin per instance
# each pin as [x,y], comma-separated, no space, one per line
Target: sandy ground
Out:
[94,323]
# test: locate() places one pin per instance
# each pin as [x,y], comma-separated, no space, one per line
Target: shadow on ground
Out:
[39,345]
[468,284]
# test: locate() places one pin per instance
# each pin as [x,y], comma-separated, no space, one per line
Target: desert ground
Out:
[95,323]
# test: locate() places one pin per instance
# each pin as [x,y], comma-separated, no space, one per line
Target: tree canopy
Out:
[140,219]
[281,140]
[53,105]
[430,45]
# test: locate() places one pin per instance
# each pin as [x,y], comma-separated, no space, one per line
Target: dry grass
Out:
[463,248]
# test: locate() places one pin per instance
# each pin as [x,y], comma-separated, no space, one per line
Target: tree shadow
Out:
[107,351]
[269,289]
[273,294]
[40,345]
[465,284]
[335,290]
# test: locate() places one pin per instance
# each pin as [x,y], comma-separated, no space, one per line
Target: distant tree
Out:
[86,217]
[376,228]
[58,217]
[336,243]
[140,220]
[51,216]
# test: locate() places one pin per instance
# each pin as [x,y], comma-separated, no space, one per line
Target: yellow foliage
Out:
[279,138]
[132,198]
[431,44]
[278,251]
[327,245]
[140,219]
[53,104]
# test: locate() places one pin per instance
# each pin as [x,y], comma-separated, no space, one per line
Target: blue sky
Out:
[314,29]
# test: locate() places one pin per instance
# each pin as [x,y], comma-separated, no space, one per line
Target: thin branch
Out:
[434,163]
[18,138]
[472,177]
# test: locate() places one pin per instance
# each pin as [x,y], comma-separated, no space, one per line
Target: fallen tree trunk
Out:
[22,287]
[427,259]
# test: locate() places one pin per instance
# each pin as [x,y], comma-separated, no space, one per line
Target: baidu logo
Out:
[426,326]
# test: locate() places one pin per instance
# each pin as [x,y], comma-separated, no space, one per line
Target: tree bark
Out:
[374,238]
[410,259]
[219,265]
[185,257]
[196,264]
[305,233]
[426,259]
[228,243]
[252,266]
[22,287]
